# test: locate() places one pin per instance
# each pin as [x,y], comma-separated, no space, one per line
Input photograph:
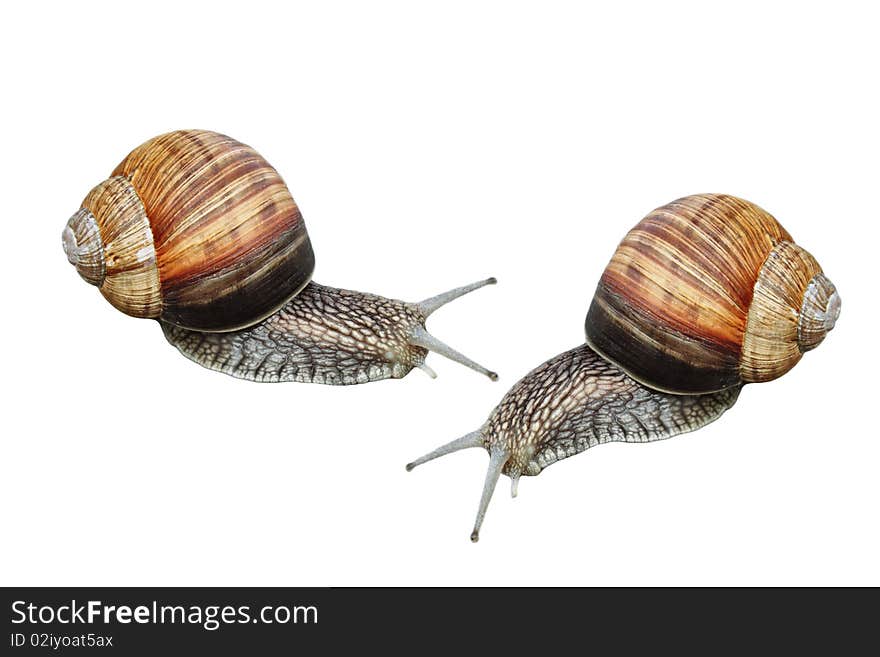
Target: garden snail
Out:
[704,295]
[197,230]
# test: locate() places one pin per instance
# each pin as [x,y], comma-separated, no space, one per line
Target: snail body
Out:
[704,295]
[198,231]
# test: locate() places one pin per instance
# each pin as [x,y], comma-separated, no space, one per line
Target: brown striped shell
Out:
[706,293]
[193,228]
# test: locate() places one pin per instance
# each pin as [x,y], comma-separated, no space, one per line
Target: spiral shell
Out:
[193,228]
[706,293]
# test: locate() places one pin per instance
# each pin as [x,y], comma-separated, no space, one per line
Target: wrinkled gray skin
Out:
[573,402]
[327,335]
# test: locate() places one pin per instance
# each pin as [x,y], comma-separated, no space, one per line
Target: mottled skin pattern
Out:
[570,403]
[323,335]
[577,400]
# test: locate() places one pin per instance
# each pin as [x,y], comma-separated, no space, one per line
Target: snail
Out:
[198,231]
[702,296]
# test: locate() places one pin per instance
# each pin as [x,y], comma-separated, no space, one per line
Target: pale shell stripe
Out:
[131,280]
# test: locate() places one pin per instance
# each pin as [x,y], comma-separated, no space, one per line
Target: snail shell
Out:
[193,228]
[706,293]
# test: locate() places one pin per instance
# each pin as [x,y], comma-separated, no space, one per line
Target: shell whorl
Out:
[793,308]
[196,229]
[819,312]
[83,247]
[706,293]
[116,232]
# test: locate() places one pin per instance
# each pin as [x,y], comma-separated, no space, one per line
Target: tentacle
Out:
[514,483]
[498,457]
[473,439]
[428,306]
[421,338]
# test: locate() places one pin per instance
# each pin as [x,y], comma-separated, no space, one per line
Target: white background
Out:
[428,146]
